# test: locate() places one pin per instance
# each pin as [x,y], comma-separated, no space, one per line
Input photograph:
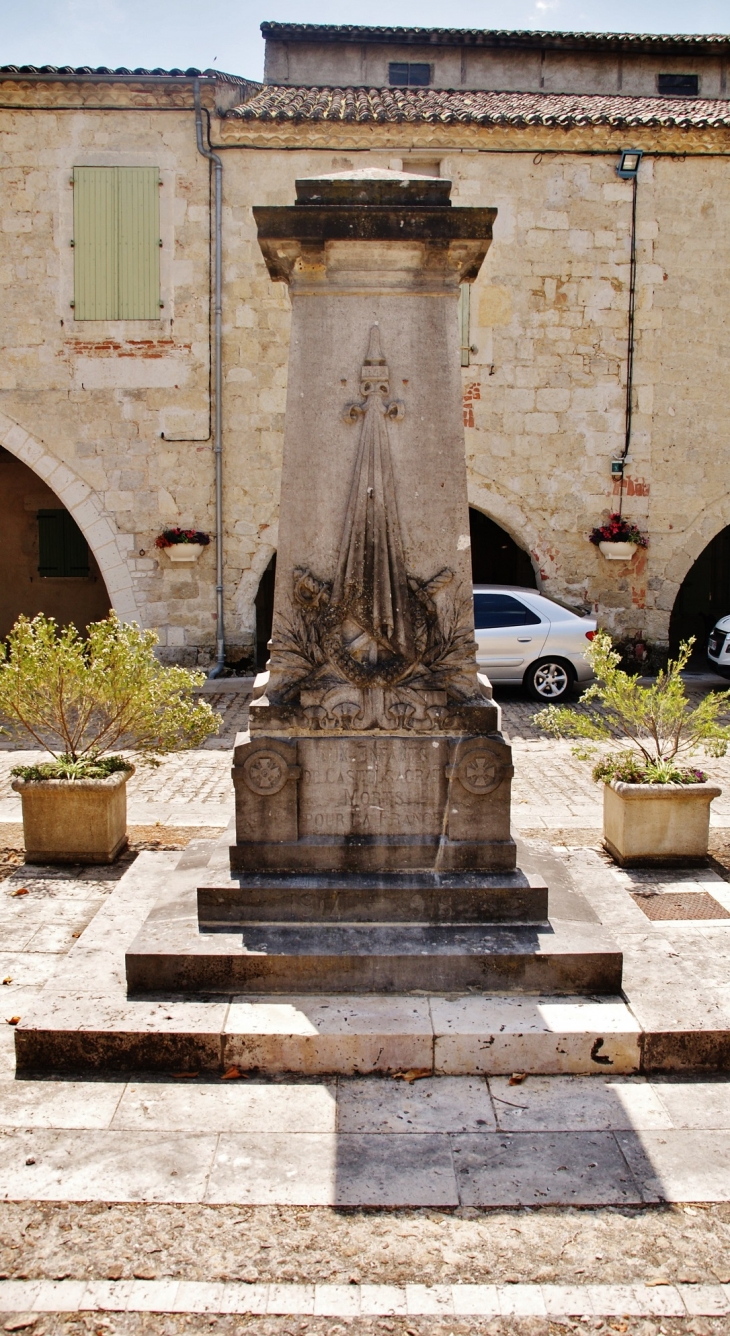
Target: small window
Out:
[679,85]
[409,75]
[62,548]
[116,243]
[493,610]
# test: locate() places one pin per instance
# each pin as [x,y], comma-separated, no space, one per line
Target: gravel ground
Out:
[314,1244]
[306,1244]
[296,1244]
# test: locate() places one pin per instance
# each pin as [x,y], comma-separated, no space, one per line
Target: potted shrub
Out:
[80,699]
[656,802]
[182,545]
[617,539]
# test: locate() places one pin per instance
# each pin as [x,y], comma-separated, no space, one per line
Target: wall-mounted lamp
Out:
[629,163]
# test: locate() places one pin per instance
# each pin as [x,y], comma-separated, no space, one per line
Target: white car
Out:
[525,639]
[718,647]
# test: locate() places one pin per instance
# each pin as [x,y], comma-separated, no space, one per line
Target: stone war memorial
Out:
[373,851]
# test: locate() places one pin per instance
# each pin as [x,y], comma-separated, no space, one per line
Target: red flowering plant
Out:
[617,530]
[170,537]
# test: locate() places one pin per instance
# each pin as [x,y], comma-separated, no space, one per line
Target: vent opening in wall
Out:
[678,85]
[408,74]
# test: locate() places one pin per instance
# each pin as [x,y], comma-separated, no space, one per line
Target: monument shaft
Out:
[375,746]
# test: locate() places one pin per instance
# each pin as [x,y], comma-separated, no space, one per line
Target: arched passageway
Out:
[704,595]
[495,557]
[265,613]
[46,564]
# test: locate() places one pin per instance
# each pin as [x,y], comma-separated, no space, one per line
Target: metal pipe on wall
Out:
[218,375]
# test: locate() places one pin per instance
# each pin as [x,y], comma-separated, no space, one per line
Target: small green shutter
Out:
[464,332]
[62,548]
[116,243]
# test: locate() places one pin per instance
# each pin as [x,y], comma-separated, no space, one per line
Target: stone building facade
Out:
[112,417]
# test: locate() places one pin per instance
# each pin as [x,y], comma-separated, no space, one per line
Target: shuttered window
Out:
[62,548]
[116,243]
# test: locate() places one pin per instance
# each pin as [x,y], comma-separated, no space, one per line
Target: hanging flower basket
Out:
[617,539]
[183,545]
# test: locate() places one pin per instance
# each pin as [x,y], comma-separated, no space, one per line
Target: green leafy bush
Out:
[658,722]
[80,698]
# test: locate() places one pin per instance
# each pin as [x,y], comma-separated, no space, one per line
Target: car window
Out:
[492,610]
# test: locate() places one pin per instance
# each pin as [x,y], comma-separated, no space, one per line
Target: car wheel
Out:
[549,680]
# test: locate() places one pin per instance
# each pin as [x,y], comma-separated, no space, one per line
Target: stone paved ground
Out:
[157,1239]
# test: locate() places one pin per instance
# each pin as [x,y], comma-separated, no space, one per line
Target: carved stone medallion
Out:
[265,772]
[479,772]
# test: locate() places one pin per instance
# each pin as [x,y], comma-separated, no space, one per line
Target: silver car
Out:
[525,639]
[718,647]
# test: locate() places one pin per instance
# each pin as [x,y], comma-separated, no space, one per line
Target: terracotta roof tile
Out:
[445,107]
[667,43]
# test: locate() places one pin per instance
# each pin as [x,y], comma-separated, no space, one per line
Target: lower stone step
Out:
[346,1035]
[172,955]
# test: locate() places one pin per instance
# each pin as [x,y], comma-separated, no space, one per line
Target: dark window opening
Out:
[62,548]
[492,610]
[409,75]
[495,557]
[679,85]
[265,613]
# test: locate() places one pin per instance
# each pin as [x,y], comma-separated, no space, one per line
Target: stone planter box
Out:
[185,552]
[74,820]
[617,551]
[657,823]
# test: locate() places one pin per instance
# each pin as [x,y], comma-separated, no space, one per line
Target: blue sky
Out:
[225,33]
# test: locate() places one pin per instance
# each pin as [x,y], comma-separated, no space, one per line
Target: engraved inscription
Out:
[368,786]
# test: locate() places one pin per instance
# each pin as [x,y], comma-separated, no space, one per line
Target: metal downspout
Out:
[218,377]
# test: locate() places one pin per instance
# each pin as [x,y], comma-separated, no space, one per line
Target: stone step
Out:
[468,897]
[316,1035]
[171,954]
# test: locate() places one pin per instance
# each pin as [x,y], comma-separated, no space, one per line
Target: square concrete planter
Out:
[657,823]
[74,820]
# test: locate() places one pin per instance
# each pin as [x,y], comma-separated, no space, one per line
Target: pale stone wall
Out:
[85,405]
[516,69]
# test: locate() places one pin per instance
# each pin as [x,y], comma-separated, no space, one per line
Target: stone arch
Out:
[98,528]
[516,522]
[496,558]
[678,553]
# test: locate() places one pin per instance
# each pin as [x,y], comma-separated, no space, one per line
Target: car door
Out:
[509,635]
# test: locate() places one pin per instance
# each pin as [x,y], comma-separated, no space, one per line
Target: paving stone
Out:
[104,1166]
[429,1300]
[528,1169]
[337,1300]
[476,1300]
[577,1103]
[382,1301]
[521,1301]
[681,1166]
[261,1169]
[436,1104]
[700,1104]
[107,1296]
[61,1104]
[705,1300]
[17,1296]
[290,1299]
[533,1034]
[233,1107]
[55,1296]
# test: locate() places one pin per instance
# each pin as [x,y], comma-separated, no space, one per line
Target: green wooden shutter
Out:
[139,243]
[464,333]
[116,243]
[62,548]
[96,243]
